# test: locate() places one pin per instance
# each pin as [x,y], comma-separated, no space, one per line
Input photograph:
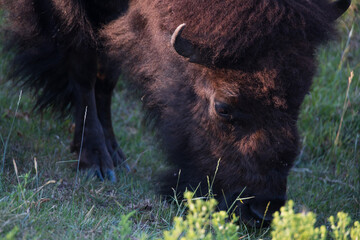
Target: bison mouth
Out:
[258,211]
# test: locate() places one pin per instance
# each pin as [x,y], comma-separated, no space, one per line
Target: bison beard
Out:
[225,88]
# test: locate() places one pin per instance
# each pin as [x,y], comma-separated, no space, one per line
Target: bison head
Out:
[237,131]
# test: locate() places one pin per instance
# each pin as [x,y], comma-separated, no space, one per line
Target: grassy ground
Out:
[43,200]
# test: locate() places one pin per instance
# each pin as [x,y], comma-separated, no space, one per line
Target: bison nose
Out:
[263,209]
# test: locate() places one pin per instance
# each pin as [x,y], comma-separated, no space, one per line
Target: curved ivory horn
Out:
[187,49]
[182,46]
[177,33]
[340,6]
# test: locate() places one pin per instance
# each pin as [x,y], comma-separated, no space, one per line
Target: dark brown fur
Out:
[237,107]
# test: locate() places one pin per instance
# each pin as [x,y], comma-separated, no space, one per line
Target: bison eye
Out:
[223,109]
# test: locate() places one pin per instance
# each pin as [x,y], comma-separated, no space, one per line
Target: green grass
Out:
[325,179]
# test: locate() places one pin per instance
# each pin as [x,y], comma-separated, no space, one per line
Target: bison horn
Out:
[183,46]
[340,6]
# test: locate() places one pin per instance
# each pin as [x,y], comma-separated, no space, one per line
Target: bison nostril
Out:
[264,209]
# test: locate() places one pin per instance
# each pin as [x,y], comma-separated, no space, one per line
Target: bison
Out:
[223,82]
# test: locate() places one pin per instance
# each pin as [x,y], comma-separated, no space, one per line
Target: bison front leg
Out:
[89,139]
[105,84]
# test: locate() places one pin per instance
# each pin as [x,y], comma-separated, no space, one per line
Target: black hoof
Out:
[95,173]
[110,175]
[119,160]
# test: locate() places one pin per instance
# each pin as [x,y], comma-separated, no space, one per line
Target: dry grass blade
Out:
[9,135]
[89,213]
[19,183]
[81,146]
[266,210]
[336,142]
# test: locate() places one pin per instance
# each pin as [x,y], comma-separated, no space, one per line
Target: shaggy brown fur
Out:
[237,105]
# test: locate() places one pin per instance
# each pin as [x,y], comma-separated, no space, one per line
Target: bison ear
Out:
[183,46]
[340,7]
